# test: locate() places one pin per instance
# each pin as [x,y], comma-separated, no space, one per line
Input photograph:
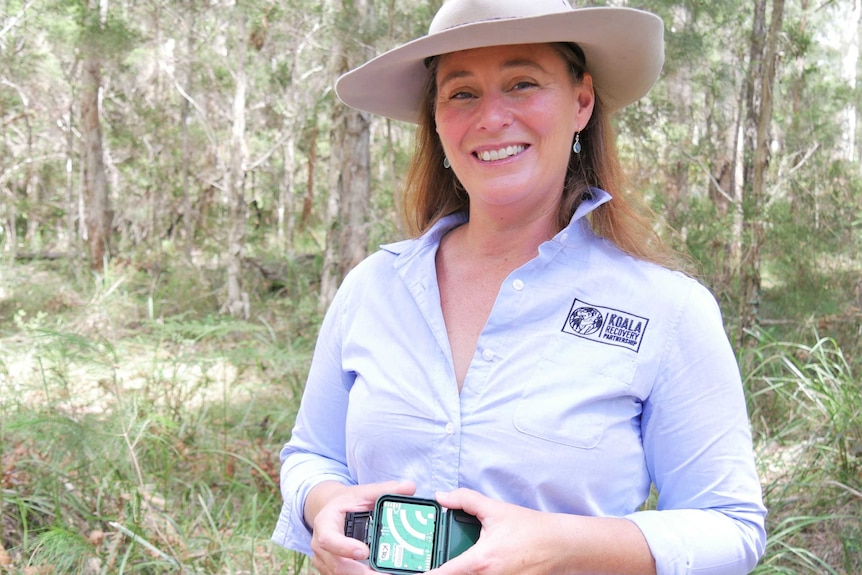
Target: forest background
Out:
[180,194]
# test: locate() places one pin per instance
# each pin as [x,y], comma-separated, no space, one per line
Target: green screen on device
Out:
[406,536]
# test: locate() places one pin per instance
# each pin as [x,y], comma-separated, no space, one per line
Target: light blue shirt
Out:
[596,375]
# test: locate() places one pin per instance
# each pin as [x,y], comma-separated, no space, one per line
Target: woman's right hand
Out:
[326,506]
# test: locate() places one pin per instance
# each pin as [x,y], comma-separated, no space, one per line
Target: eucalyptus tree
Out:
[683,139]
[363,28]
[759,103]
[236,301]
[94,16]
[350,182]
[36,111]
[102,36]
[55,56]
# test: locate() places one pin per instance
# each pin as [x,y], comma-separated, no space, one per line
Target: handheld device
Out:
[408,535]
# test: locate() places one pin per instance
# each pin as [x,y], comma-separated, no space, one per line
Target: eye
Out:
[524,85]
[461,95]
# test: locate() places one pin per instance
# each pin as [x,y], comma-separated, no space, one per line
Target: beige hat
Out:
[624,50]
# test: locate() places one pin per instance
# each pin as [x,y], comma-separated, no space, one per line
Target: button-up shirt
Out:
[596,376]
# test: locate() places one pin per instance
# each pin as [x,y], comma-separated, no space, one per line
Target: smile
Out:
[501,154]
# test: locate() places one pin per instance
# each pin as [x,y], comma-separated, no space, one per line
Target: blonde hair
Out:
[432,191]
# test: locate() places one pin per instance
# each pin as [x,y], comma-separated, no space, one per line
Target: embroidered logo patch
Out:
[606,325]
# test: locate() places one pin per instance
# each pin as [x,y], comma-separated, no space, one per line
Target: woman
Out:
[530,356]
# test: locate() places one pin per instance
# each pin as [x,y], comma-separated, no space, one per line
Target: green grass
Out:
[134,443]
[139,429]
[806,408]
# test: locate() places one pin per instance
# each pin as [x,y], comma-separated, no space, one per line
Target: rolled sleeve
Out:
[300,473]
[697,442]
[701,542]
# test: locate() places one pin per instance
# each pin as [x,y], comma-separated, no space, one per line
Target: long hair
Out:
[432,191]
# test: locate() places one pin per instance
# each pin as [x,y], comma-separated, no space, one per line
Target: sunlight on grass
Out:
[132,441]
[806,410]
[131,445]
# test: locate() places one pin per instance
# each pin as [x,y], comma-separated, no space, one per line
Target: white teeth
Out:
[501,154]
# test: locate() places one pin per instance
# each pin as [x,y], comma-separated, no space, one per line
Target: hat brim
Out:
[623,47]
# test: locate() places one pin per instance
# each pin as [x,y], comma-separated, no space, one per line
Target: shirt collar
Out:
[591,200]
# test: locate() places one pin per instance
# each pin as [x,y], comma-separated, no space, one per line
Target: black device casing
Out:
[455,531]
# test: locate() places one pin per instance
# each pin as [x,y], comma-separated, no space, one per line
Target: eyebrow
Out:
[513,63]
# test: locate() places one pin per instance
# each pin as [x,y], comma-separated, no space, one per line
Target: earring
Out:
[446,163]
[576,147]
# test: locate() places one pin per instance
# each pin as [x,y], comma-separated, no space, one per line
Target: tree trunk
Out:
[347,239]
[71,231]
[32,187]
[286,210]
[237,303]
[848,30]
[757,127]
[11,227]
[308,199]
[98,207]
[355,190]
[189,215]
[350,187]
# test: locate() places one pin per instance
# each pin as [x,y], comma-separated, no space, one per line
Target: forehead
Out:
[545,56]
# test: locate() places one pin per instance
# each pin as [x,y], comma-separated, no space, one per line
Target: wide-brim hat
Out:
[623,48]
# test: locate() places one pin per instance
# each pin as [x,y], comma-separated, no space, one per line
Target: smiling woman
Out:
[493,101]
[531,356]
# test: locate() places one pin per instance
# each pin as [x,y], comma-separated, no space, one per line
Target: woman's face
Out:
[506,117]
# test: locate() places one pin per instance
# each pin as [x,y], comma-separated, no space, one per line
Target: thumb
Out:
[470,501]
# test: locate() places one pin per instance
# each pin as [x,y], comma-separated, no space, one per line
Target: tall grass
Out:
[806,409]
[133,443]
[139,433]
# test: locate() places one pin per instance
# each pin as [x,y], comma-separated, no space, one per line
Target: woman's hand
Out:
[513,539]
[518,541]
[325,509]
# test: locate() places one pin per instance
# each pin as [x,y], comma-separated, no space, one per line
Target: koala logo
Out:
[586,320]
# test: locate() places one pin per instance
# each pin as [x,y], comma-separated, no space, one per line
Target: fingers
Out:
[335,551]
[339,566]
[457,566]
[470,501]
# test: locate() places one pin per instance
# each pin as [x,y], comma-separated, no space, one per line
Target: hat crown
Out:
[456,13]
[623,47]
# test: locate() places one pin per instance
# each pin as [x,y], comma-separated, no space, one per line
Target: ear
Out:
[586,98]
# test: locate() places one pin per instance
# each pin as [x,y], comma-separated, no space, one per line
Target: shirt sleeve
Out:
[316,449]
[697,442]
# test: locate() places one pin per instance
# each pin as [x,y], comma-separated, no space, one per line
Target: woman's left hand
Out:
[518,541]
[514,540]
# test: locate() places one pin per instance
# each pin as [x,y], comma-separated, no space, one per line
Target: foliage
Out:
[143,437]
[151,448]
[139,428]
[806,406]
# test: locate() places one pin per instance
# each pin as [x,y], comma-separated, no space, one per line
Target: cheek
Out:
[451,127]
[553,119]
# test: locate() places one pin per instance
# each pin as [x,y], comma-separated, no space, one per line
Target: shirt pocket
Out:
[566,400]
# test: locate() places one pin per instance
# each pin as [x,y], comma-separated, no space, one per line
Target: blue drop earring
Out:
[576,147]
[446,163]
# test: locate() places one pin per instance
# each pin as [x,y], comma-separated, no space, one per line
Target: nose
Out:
[494,112]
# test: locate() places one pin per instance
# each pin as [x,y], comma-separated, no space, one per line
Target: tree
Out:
[848,32]
[350,179]
[237,300]
[759,102]
[98,204]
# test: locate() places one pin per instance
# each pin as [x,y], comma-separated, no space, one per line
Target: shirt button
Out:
[487,355]
[450,428]
[518,285]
